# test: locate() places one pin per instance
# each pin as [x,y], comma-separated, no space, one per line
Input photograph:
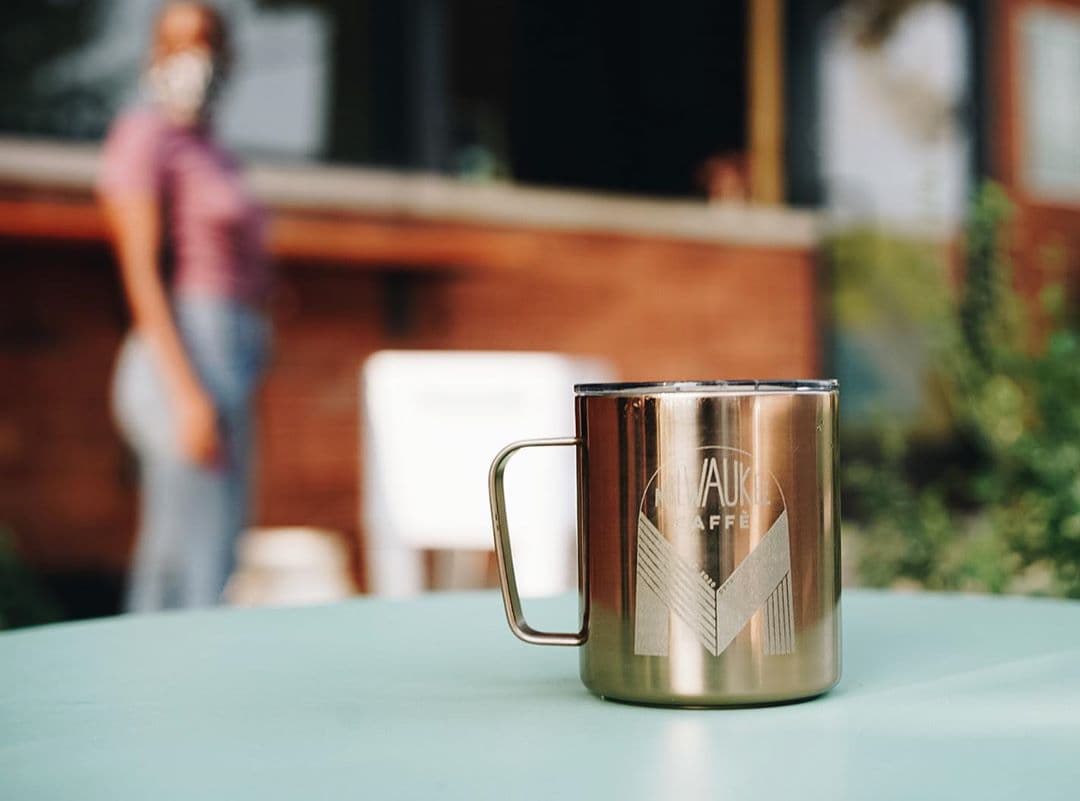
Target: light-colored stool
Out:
[294,566]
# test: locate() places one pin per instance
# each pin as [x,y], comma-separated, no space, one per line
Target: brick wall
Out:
[659,309]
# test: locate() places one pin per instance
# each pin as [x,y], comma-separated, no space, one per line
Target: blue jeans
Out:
[190,516]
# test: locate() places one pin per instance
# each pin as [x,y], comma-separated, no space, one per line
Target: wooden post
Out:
[766,94]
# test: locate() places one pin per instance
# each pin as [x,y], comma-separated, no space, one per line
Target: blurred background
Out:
[882,191]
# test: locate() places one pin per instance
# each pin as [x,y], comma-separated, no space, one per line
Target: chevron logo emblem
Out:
[726,497]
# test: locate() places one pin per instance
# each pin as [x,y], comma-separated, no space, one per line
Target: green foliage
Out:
[998,507]
[882,280]
[22,601]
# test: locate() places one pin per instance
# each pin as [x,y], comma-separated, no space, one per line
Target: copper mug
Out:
[708,541]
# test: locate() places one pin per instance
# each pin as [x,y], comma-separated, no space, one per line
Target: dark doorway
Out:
[625,95]
[618,95]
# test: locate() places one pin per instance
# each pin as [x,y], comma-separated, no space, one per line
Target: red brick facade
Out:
[658,308]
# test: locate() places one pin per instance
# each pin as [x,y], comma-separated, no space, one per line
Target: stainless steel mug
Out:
[708,541]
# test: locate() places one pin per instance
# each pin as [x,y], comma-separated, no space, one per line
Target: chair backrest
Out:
[433,421]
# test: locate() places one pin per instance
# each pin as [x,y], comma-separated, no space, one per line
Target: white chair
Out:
[432,423]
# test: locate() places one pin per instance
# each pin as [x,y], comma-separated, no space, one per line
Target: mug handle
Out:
[512,601]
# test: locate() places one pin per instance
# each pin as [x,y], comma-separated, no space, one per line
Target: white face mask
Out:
[185,84]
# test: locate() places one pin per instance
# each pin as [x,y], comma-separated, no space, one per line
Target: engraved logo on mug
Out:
[694,517]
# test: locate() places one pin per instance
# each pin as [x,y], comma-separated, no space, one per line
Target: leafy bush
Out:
[988,497]
[22,600]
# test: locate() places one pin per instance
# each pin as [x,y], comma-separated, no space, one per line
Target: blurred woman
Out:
[189,241]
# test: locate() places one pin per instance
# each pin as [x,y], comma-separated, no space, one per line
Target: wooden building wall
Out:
[1046,233]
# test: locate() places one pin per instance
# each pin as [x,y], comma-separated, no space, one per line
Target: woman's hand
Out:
[197,428]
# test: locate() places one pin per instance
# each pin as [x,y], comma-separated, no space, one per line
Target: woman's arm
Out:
[135,224]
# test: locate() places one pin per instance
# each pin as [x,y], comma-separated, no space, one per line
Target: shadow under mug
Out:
[708,541]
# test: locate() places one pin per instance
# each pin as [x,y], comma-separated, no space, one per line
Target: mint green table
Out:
[942,697]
